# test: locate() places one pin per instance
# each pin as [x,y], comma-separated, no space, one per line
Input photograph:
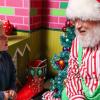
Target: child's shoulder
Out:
[5,53]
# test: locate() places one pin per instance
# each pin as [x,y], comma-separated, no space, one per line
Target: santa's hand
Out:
[12,94]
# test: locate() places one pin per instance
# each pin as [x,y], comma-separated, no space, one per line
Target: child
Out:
[7,69]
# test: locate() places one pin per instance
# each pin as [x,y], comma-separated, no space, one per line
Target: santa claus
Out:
[83,74]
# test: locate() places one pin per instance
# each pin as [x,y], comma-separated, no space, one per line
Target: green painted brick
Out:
[57,12]
[63,5]
[33,12]
[7,11]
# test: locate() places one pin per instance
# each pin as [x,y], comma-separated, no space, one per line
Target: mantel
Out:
[15,39]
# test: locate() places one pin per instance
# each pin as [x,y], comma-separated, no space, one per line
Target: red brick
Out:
[26,20]
[36,4]
[1,2]
[22,12]
[60,0]
[55,26]
[14,3]
[36,19]
[35,26]
[15,19]
[46,11]
[50,4]
[26,3]
[53,19]
[50,19]
[40,11]
[62,19]
[22,27]
[2,17]
[53,4]
[45,24]
[31,19]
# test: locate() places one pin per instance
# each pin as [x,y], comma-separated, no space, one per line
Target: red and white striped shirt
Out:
[49,96]
[89,70]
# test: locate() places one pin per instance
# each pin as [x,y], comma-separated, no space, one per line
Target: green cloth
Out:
[89,96]
[64,95]
[80,52]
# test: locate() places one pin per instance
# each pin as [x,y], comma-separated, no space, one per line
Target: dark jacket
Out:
[7,73]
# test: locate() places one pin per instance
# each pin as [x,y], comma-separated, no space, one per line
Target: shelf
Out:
[15,39]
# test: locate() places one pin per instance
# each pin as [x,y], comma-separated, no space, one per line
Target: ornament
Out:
[32,72]
[61,64]
[55,90]
[64,49]
[68,49]
[64,29]
[39,72]
[69,23]
[57,63]
[8,28]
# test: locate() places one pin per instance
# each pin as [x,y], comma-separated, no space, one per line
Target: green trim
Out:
[52,29]
[6,10]
[57,12]
[64,96]
[63,5]
[80,52]
[29,31]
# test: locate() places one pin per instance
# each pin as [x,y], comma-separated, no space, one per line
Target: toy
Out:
[36,76]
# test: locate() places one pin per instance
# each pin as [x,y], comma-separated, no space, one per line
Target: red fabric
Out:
[31,89]
[36,63]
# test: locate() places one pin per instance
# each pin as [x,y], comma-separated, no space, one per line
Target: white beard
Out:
[92,37]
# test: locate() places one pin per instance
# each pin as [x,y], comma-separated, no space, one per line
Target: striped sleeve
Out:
[49,96]
[73,80]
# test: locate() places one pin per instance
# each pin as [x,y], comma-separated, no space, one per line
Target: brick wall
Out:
[54,13]
[17,12]
[33,14]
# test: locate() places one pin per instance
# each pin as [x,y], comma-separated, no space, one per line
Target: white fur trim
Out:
[83,9]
